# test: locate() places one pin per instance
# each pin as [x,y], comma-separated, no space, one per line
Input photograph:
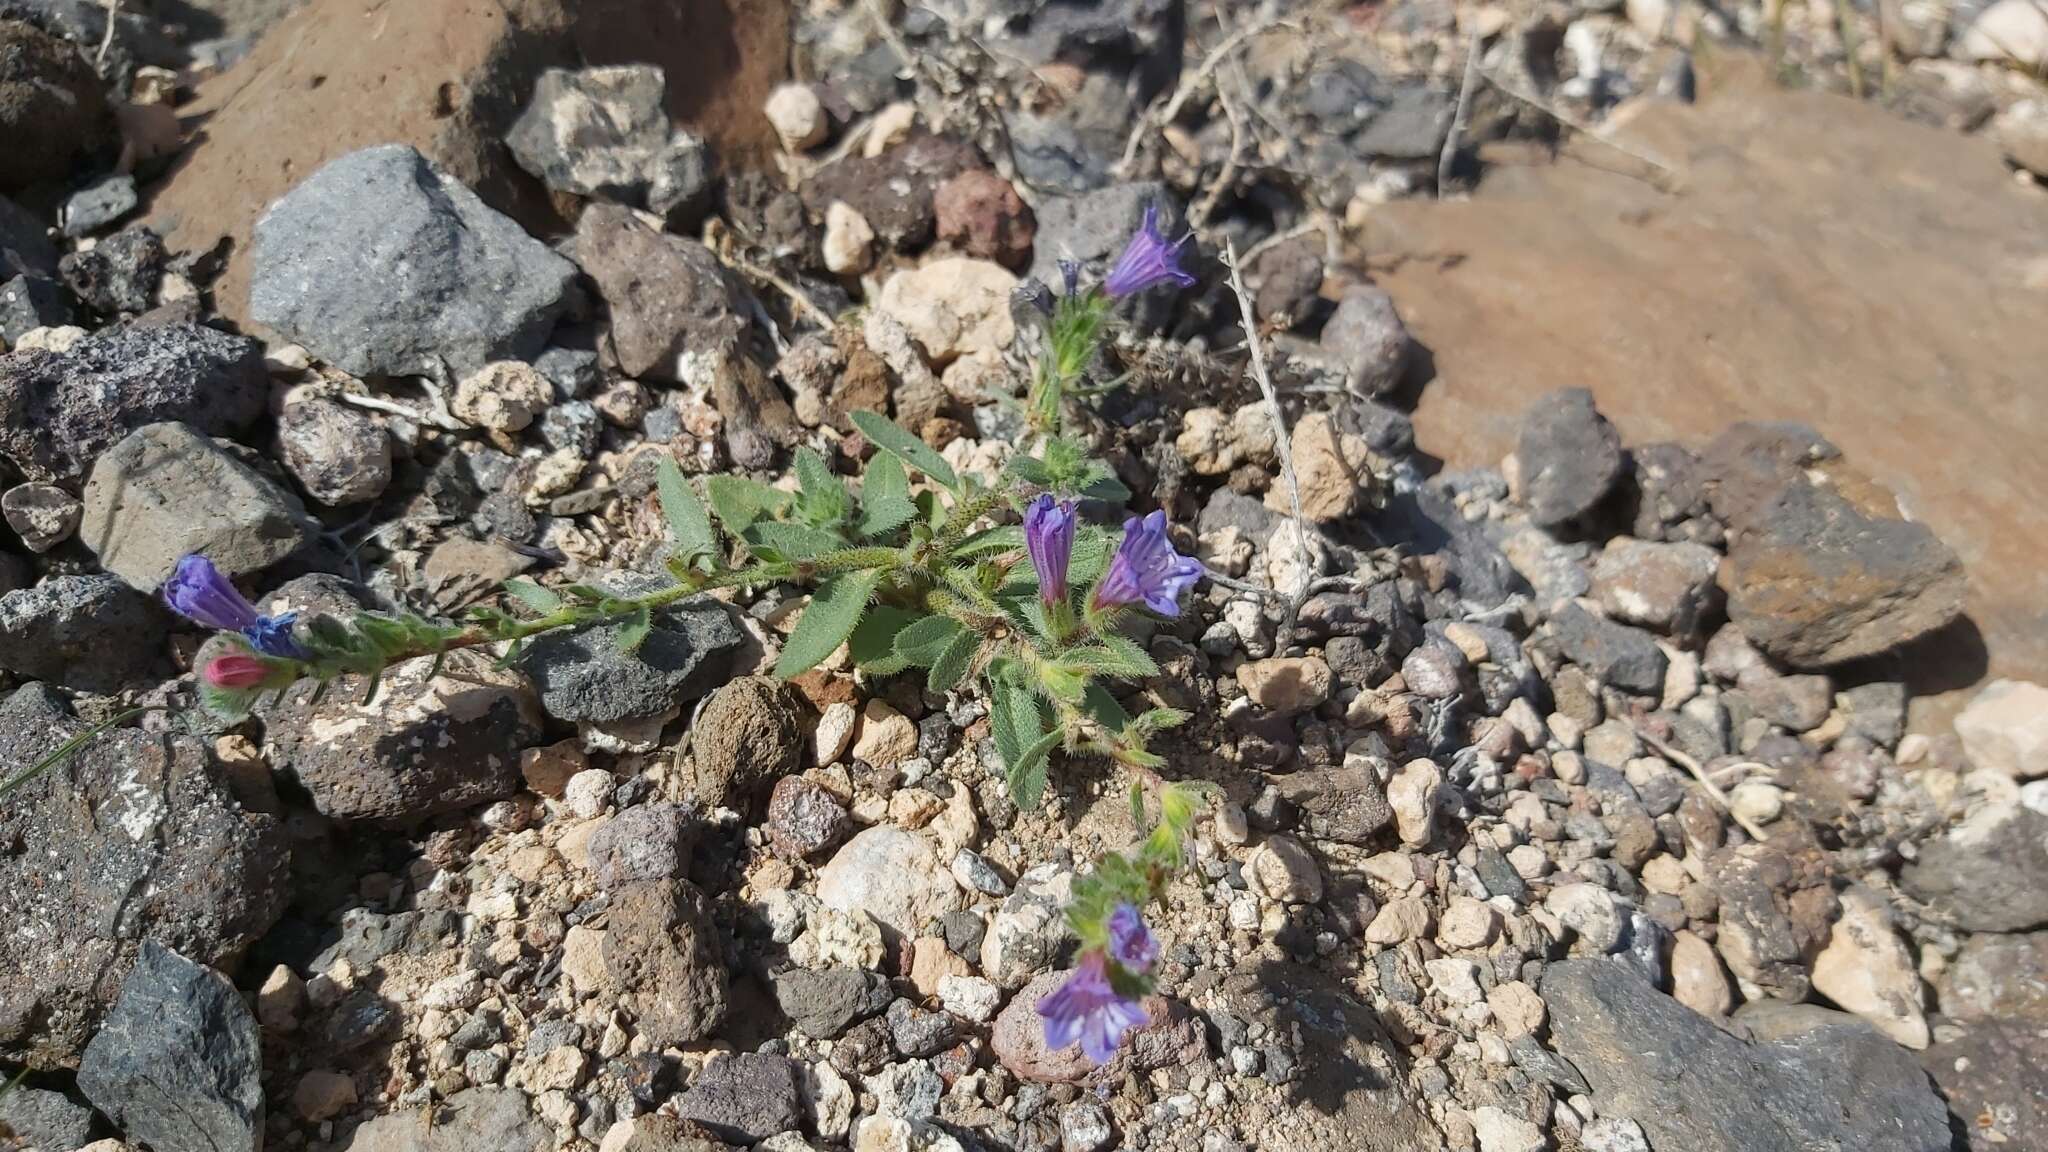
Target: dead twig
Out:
[99,59]
[1654,161]
[1206,204]
[1317,221]
[1460,118]
[1160,115]
[1283,445]
[720,241]
[404,411]
[1700,774]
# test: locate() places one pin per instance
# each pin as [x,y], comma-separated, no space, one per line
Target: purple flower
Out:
[199,592]
[1147,260]
[1131,944]
[1146,570]
[1088,1010]
[1049,536]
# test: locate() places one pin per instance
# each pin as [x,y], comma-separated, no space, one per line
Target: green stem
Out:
[67,748]
[964,515]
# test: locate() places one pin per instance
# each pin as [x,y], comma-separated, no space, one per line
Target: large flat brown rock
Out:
[447,77]
[1825,261]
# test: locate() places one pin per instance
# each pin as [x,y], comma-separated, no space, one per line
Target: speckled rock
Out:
[423,746]
[132,812]
[661,948]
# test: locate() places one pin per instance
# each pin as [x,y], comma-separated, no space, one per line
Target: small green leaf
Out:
[885,503]
[1027,774]
[823,501]
[1031,470]
[634,631]
[922,642]
[892,438]
[1104,709]
[739,501]
[1157,720]
[1013,717]
[988,541]
[873,643]
[689,525]
[952,663]
[1106,488]
[1093,547]
[532,595]
[1111,655]
[589,594]
[833,613]
[776,540]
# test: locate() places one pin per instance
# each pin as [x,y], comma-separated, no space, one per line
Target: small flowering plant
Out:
[1078,320]
[1103,997]
[905,577]
[925,575]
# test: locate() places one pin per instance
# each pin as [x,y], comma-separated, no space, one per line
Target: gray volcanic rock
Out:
[178,1063]
[88,632]
[24,246]
[1821,567]
[661,945]
[132,839]
[59,412]
[1818,1080]
[425,745]
[582,675]
[668,294]
[1627,658]
[52,107]
[1570,457]
[166,492]
[1989,872]
[383,264]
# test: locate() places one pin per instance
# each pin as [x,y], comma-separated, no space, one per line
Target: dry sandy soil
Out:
[1822,261]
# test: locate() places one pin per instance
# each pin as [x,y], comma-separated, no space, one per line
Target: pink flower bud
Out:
[236,670]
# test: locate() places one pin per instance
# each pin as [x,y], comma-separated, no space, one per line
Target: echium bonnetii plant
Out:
[1080,318]
[906,577]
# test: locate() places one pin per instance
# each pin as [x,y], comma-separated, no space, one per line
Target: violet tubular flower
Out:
[199,592]
[1148,259]
[1049,537]
[1146,570]
[1131,944]
[1088,1011]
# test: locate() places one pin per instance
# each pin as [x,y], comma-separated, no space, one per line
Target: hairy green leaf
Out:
[1013,717]
[1157,720]
[873,643]
[988,541]
[778,540]
[1031,470]
[922,642]
[833,613]
[1093,547]
[532,595]
[1027,774]
[952,663]
[885,503]
[689,525]
[823,501]
[1111,655]
[635,630]
[892,438]
[1103,708]
[740,501]
[390,637]
[1104,486]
